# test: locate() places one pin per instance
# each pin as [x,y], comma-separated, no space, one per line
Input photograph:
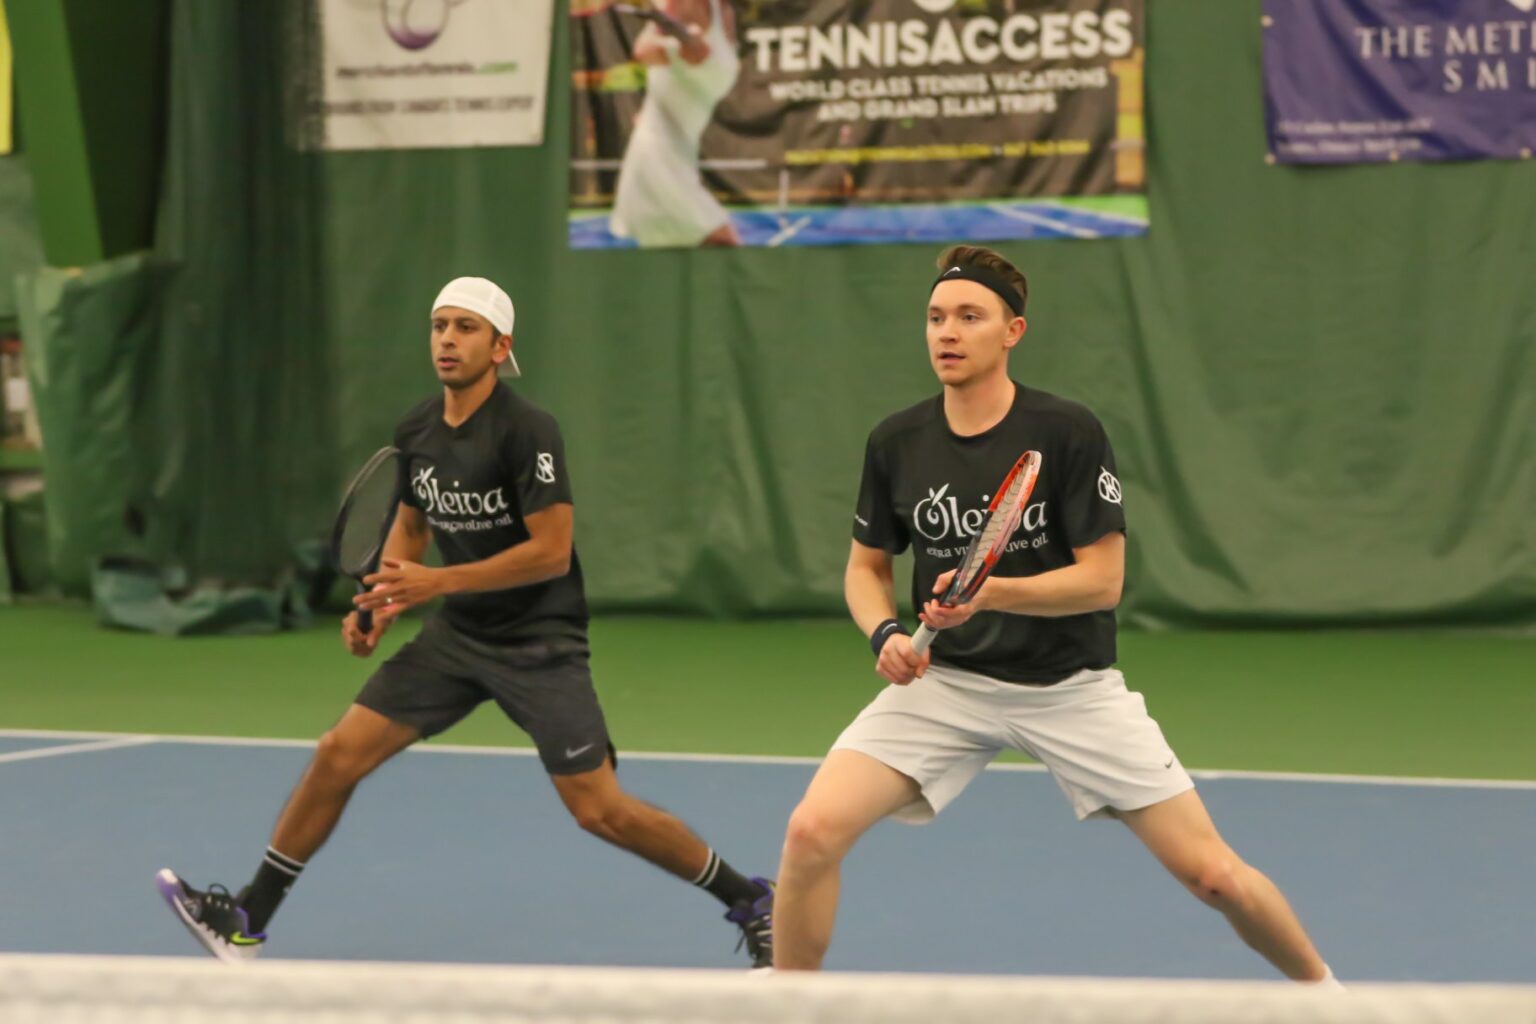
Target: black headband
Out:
[987,279]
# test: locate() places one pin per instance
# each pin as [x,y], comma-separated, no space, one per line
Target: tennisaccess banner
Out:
[415,74]
[1352,81]
[828,122]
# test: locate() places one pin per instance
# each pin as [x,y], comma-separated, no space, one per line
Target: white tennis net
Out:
[131,990]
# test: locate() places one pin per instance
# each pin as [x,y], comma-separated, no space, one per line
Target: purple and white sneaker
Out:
[755,919]
[213,917]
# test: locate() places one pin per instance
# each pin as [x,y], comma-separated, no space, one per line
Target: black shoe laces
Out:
[218,896]
[756,935]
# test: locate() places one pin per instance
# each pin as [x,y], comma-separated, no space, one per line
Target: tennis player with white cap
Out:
[487,480]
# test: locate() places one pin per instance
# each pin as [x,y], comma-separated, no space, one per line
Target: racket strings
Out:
[1000,525]
[1001,522]
[372,503]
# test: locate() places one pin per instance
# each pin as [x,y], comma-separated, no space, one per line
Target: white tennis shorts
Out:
[1092,733]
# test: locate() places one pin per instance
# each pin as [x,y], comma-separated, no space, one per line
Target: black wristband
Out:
[883,633]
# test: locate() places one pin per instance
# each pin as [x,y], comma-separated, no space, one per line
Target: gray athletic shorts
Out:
[1093,734]
[544,686]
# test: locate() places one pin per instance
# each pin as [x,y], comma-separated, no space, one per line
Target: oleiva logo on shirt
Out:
[455,503]
[939,516]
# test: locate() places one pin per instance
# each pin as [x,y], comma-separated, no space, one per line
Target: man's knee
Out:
[815,837]
[341,759]
[1218,879]
[607,815]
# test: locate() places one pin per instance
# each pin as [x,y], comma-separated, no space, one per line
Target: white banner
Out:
[425,74]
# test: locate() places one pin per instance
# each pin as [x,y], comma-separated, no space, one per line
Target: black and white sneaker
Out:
[214,918]
[755,919]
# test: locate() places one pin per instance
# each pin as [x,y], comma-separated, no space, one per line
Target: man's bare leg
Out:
[850,793]
[1181,835]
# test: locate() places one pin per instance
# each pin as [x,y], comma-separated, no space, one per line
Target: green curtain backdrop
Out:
[1321,383]
[21,250]
[183,392]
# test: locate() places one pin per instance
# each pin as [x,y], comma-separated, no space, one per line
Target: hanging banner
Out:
[420,74]
[1360,81]
[835,122]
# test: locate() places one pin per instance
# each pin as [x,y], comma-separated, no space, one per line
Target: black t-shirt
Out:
[476,483]
[928,487]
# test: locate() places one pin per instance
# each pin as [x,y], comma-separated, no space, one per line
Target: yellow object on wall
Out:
[5,83]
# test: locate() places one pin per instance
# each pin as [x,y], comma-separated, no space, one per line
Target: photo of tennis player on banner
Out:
[689,50]
[839,122]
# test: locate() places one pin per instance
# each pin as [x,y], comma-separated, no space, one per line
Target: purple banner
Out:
[1362,81]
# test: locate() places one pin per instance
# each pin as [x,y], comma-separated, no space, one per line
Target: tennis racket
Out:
[1003,517]
[363,521]
[664,21]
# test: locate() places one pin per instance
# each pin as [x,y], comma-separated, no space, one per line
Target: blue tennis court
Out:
[459,854]
[1001,220]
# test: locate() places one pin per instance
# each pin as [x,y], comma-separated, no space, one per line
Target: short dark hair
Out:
[981,256]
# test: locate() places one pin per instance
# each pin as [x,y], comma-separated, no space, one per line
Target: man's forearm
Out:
[1071,590]
[871,598]
[405,545]
[518,566]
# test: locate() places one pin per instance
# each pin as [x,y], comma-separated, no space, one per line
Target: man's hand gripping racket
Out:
[1004,514]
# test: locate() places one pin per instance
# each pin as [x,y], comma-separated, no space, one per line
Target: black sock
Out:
[724,884]
[273,880]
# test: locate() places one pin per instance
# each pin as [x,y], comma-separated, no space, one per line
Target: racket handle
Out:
[922,638]
[364,615]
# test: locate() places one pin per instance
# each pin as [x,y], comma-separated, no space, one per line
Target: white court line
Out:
[1035,218]
[1367,780]
[1213,774]
[785,234]
[78,748]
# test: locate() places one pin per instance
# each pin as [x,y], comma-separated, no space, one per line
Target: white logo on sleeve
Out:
[1525,5]
[546,468]
[1109,487]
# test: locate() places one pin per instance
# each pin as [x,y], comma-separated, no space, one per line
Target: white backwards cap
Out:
[485,297]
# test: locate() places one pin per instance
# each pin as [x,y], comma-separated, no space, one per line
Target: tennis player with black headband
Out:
[486,478]
[1026,665]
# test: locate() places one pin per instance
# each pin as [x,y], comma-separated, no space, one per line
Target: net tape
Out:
[131,990]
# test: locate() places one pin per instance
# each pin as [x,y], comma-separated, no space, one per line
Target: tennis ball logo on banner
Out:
[939,517]
[416,24]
